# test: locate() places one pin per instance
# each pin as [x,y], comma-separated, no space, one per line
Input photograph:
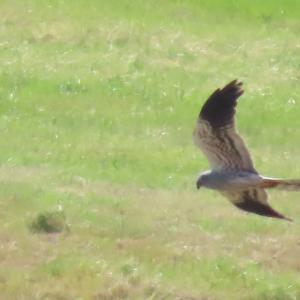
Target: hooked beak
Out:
[198,184]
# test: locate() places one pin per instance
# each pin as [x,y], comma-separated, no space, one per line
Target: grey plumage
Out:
[233,173]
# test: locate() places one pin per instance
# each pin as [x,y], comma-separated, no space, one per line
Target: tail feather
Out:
[283,184]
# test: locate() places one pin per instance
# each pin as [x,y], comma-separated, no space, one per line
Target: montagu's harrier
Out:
[233,173]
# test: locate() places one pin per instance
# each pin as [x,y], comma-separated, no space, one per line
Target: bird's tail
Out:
[283,184]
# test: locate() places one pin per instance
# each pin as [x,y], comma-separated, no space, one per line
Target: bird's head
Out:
[202,179]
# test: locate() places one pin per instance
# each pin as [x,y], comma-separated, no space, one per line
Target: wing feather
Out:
[253,201]
[215,131]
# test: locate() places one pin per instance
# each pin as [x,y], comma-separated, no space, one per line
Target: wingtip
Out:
[278,215]
[236,84]
[235,87]
[219,108]
[252,205]
[288,219]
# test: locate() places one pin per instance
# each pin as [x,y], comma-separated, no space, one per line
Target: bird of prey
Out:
[233,173]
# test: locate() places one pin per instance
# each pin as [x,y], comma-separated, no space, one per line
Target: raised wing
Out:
[215,131]
[253,200]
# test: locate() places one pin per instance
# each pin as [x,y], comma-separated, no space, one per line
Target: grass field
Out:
[98,101]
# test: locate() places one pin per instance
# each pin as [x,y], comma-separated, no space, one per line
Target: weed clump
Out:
[49,222]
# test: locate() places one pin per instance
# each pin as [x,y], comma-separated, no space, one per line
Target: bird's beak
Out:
[198,184]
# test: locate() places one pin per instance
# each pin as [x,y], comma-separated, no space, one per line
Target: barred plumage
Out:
[233,172]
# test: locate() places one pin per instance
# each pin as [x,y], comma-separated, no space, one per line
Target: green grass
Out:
[98,101]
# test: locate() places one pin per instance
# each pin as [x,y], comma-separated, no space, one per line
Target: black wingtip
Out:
[233,88]
[219,109]
[261,209]
[287,219]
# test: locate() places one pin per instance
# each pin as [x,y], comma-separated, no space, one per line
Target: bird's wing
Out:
[215,131]
[254,200]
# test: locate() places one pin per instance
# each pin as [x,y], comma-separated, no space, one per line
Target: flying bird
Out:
[232,171]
